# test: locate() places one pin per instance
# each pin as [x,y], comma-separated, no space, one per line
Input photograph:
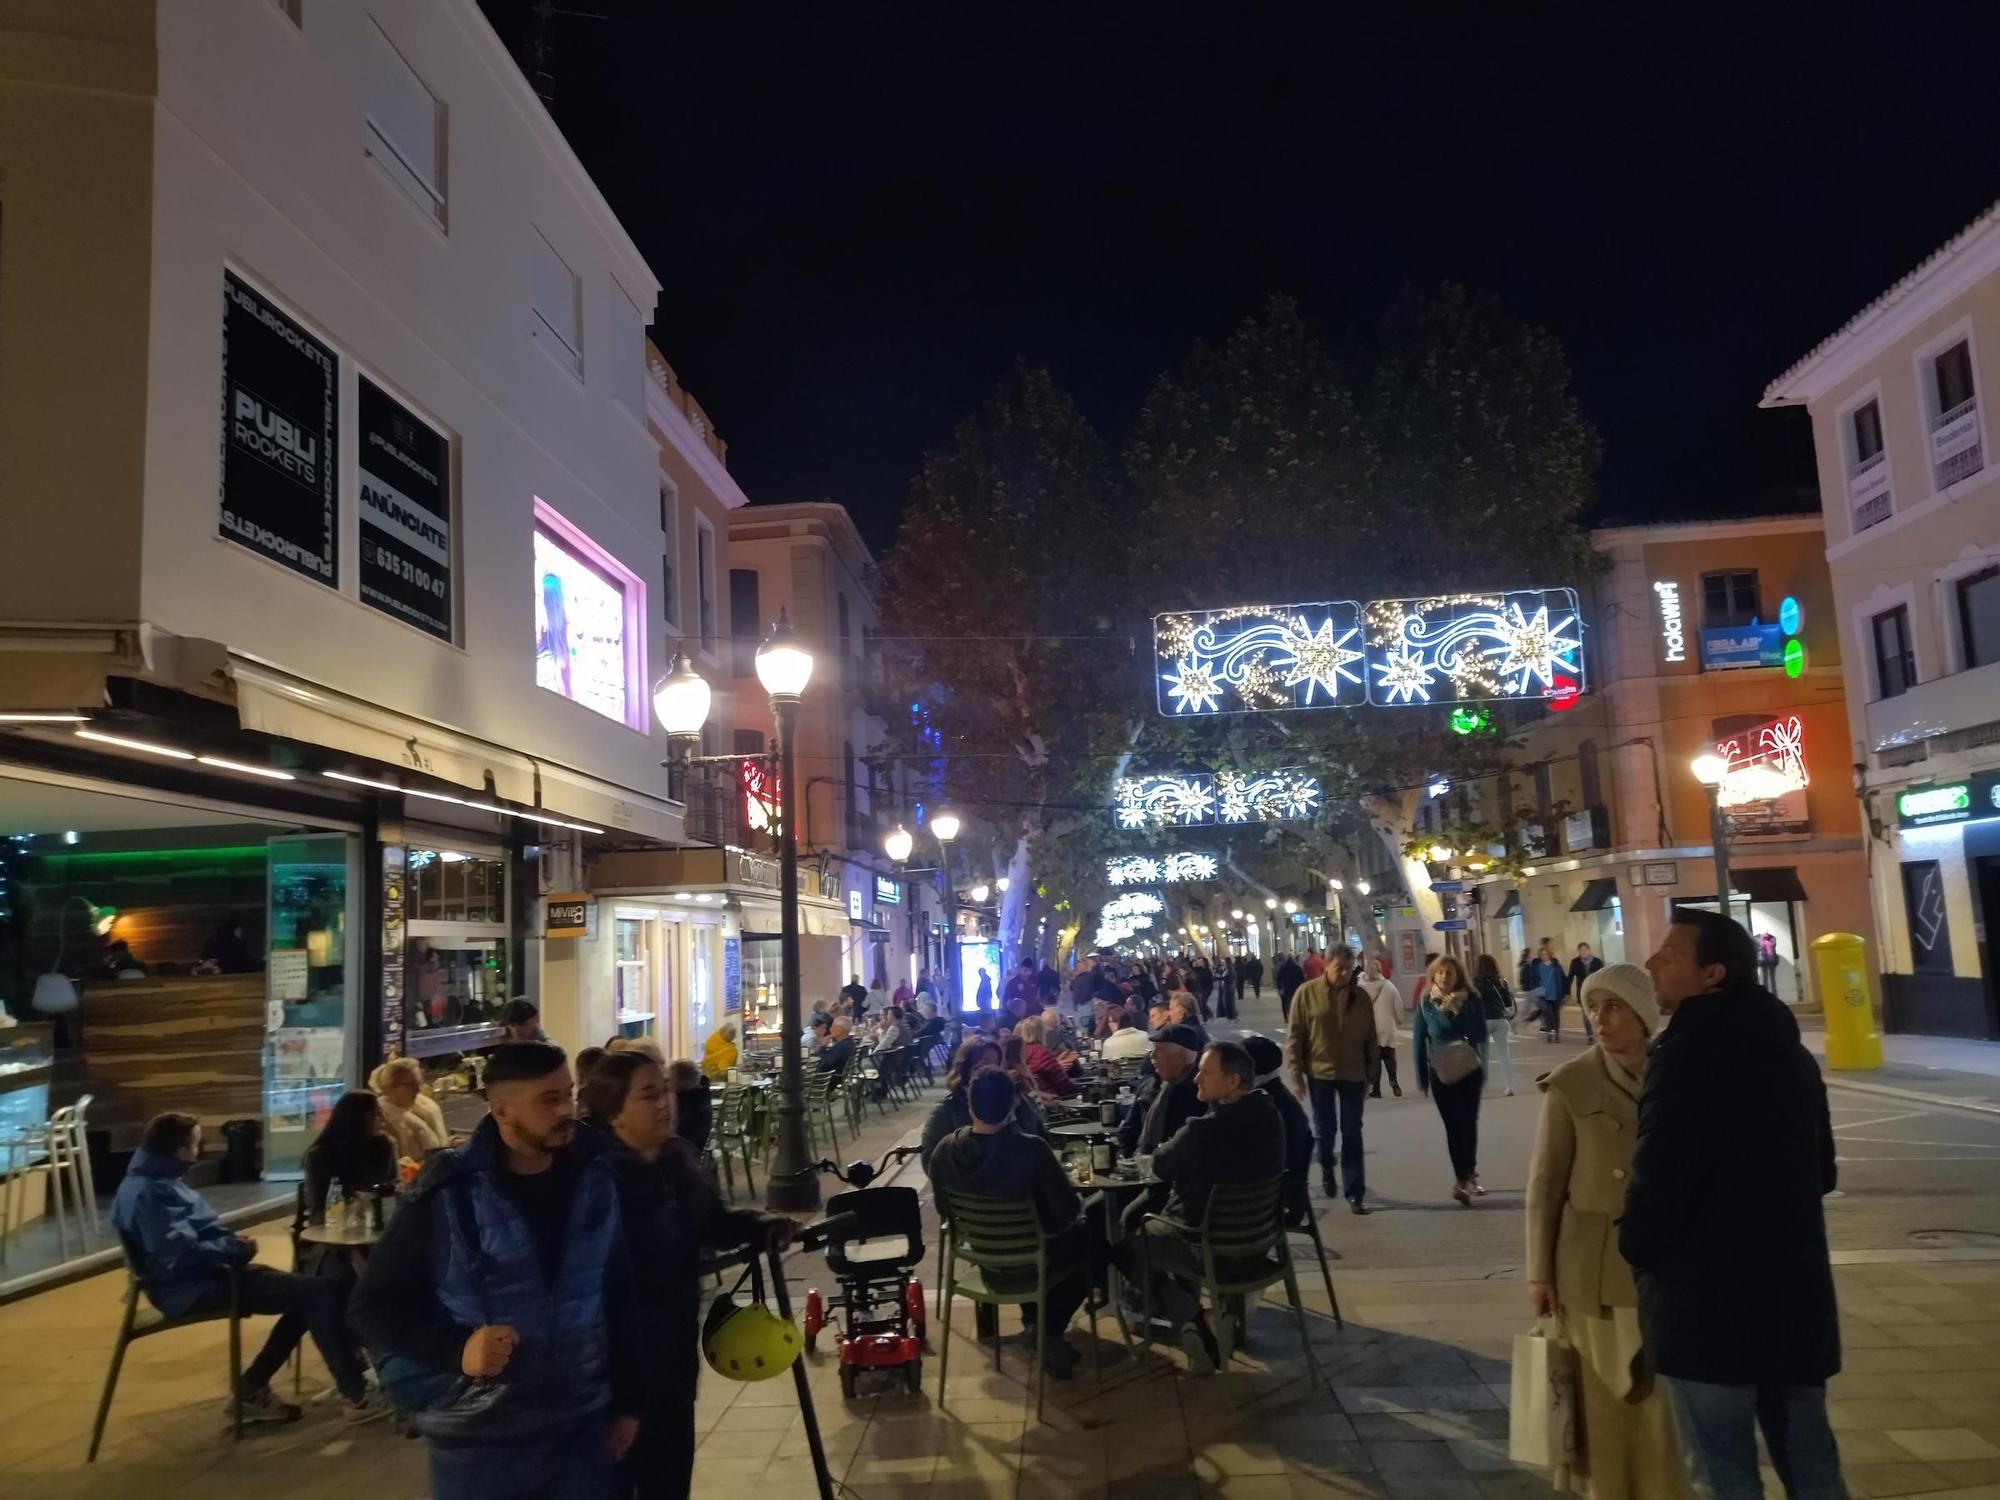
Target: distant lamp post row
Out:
[681,702]
[899,843]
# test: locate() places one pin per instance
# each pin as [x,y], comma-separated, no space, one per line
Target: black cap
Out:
[1179,1035]
[1265,1055]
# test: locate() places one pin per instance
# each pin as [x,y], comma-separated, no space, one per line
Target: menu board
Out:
[732,974]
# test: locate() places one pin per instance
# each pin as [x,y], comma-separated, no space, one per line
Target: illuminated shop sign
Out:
[888,892]
[1673,631]
[762,797]
[588,644]
[1969,801]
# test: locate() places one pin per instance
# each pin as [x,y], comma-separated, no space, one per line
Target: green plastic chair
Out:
[1299,1218]
[1241,1229]
[992,1234]
[142,1320]
[731,1135]
[821,1091]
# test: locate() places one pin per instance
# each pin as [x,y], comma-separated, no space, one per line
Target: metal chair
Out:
[1300,1219]
[1244,1250]
[142,1322]
[821,1089]
[992,1234]
[731,1136]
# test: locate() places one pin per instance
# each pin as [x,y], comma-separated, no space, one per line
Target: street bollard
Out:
[1840,964]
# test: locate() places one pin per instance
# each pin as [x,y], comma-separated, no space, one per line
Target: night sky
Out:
[864,213]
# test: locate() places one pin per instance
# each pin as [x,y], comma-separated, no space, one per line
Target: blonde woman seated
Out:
[1576,1191]
[414,1120]
[718,1054]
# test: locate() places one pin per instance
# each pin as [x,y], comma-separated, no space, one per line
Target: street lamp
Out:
[681,702]
[1710,766]
[897,844]
[980,893]
[945,826]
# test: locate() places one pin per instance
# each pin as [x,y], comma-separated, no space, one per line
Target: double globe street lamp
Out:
[898,843]
[681,702]
[1711,769]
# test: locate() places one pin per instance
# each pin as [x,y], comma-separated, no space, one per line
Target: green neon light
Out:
[225,853]
[1795,658]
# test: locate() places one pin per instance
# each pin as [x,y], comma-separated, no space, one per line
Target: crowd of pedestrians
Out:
[505,1316]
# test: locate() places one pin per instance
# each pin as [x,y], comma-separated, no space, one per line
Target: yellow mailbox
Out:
[1840,963]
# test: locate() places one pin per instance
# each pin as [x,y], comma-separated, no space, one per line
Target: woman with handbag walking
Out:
[1576,1193]
[1446,1033]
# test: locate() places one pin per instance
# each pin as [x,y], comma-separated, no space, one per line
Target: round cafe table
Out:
[342,1235]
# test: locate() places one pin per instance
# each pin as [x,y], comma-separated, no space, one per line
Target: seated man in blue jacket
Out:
[184,1257]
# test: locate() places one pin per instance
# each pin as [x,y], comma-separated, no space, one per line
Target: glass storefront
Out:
[306,1054]
[456,973]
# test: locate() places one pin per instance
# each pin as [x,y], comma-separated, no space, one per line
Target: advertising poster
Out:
[279,402]
[405,512]
[579,630]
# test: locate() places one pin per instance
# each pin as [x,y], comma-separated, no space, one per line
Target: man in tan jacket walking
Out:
[1331,1044]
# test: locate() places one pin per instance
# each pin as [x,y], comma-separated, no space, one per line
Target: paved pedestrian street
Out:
[1412,1400]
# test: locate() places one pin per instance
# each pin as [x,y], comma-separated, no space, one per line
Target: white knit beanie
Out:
[1630,984]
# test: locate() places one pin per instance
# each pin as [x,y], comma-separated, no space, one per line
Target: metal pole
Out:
[793,1183]
[951,939]
[1718,835]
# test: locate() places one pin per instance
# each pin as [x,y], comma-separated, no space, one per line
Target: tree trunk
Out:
[1394,821]
[1013,904]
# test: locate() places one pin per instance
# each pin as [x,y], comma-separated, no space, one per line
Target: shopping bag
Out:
[1545,1410]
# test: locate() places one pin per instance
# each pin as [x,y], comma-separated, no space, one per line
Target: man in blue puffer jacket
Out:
[185,1256]
[500,1304]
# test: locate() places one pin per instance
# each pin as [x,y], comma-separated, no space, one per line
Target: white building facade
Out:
[332,507]
[1903,408]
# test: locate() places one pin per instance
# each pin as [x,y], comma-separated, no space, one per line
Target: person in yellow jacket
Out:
[718,1056]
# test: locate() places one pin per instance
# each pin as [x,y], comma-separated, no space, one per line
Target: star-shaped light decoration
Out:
[1299,797]
[1317,660]
[1258,685]
[1193,687]
[1173,636]
[1406,677]
[1529,649]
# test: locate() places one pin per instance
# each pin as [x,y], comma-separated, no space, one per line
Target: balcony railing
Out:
[1957,451]
[1868,491]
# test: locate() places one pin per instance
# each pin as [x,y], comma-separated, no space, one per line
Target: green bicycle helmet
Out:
[748,1342]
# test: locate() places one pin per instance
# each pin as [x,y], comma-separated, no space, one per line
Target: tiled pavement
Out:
[1412,1401]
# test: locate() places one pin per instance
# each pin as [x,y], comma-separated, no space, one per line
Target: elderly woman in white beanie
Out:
[1576,1191]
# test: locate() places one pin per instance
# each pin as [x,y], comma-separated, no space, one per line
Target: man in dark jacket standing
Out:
[1724,1222]
[1238,1140]
[992,1159]
[504,1293]
[1289,977]
[1331,1044]
[1580,969]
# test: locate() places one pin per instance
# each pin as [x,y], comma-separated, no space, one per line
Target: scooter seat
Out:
[868,1252]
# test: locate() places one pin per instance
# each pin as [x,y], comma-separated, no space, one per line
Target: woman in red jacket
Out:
[1051,1073]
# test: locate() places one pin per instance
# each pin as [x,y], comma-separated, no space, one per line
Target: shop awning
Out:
[56,669]
[1773,883]
[1597,895]
[274,703]
[1508,906]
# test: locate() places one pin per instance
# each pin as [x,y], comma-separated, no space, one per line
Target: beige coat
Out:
[417,1130]
[1576,1186]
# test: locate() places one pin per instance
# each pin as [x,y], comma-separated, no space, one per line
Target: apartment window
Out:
[1728,599]
[749,742]
[1588,774]
[405,126]
[1956,450]
[1868,467]
[558,321]
[704,583]
[670,559]
[744,613]
[628,373]
[1895,662]
[1979,617]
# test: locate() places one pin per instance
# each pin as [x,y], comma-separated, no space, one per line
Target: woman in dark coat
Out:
[672,1217]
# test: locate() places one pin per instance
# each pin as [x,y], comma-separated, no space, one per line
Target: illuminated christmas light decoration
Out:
[1187,867]
[1135,903]
[1150,869]
[1469,720]
[1472,647]
[1195,799]
[1259,657]
[1168,798]
[1765,763]
[1451,648]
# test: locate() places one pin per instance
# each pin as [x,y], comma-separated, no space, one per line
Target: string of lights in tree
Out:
[1170,869]
[1134,904]
[1198,799]
[1332,653]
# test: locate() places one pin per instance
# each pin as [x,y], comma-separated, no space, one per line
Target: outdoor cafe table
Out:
[343,1235]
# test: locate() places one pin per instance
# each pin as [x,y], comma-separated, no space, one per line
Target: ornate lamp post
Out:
[898,843]
[681,702]
[1710,767]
